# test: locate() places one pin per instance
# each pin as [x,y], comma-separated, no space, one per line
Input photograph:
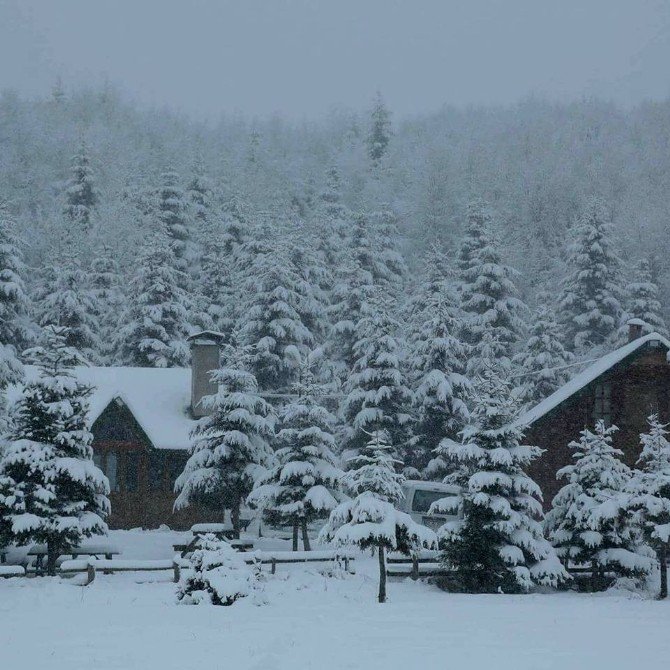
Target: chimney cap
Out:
[636,322]
[206,336]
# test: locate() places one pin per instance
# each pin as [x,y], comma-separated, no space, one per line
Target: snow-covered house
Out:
[623,388]
[141,419]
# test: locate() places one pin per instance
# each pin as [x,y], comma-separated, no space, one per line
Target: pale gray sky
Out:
[300,57]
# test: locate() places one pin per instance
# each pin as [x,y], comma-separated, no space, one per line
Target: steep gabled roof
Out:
[589,375]
[158,398]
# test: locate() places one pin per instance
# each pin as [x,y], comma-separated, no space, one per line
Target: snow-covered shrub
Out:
[590,521]
[496,543]
[218,575]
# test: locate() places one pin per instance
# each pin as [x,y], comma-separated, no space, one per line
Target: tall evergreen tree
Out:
[107,302]
[371,519]
[496,543]
[650,489]
[230,447]
[304,484]
[14,305]
[592,293]
[273,323]
[156,318]
[378,397]
[543,364]
[379,134]
[437,364]
[66,301]
[172,214]
[589,521]
[488,294]
[50,489]
[81,195]
[642,303]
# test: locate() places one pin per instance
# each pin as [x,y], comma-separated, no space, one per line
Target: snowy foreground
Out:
[128,621]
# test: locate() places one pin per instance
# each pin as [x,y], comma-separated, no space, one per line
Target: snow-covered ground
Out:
[130,620]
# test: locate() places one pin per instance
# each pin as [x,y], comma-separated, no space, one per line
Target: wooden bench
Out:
[7,571]
[94,550]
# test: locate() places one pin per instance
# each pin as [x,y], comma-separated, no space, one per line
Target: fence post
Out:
[274,566]
[90,573]
[415,567]
[176,571]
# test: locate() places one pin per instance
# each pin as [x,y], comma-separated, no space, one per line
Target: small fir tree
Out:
[172,215]
[304,485]
[156,318]
[50,490]
[230,447]
[496,543]
[488,294]
[650,489]
[371,519]
[544,363]
[591,298]
[589,520]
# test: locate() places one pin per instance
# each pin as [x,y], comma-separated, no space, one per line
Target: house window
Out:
[111,470]
[156,471]
[132,470]
[602,406]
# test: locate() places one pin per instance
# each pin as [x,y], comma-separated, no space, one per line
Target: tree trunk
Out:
[53,551]
[235,519]
[382,575]
[663,559]
[305,538]
[295,535]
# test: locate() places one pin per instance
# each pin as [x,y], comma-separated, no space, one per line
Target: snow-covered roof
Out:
[588,375]
[159,399]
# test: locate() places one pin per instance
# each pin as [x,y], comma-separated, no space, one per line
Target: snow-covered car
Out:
[420,495]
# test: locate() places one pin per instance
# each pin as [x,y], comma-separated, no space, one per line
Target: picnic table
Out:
[223,531]
[96,550]
[186,548]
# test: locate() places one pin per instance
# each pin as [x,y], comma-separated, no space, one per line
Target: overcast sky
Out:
[300,57]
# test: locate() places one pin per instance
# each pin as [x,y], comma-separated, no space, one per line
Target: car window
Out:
[424,499]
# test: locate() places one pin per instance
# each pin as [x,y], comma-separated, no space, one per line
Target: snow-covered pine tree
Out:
[496,544]
[304,485]
[65,300]
[231,446]
[14,305]
[378,398]
[642,303]
[379,134]
[391,264]
[650,489]
[273,323]
[50,490]
[352,288]
[588,521]
[590,305]
[371,519]
[216,285]
[81,195]
[542,366]
[436,365]
[155,322]
[173,218]
[488,294]
[107,301]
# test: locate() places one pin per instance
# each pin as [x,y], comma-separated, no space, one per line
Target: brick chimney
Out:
[205,355]
[635,329]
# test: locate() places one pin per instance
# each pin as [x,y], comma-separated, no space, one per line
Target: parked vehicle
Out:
[420,495]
